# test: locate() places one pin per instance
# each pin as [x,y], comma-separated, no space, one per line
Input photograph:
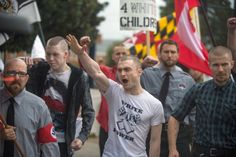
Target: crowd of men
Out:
[147,109]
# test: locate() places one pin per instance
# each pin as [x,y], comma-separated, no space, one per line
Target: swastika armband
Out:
[47,134]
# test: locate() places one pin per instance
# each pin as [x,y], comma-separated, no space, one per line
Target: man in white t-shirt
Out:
[132,110]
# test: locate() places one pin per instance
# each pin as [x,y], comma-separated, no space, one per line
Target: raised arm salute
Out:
[91,67]
[132,110]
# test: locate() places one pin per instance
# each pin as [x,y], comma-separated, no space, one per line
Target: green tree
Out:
[168,8]
[78,17]
[217,13]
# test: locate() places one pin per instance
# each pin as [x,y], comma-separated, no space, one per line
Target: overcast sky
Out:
[110,29]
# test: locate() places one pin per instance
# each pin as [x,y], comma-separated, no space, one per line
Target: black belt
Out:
[213,151]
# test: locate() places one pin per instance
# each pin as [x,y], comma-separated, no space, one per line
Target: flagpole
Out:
[4,56]
[148,42]
[18,148]
[208,26]
[196,21]
[41,34]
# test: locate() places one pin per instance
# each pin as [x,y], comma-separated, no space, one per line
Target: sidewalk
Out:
[91,147]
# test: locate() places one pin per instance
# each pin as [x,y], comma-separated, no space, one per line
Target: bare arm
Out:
[173,129]
[155,141]
[90,66]
[231,38]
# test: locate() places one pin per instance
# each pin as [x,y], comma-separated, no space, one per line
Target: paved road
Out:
[90,148]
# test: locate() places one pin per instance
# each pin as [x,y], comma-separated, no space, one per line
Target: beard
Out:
[14,88]
[169,63]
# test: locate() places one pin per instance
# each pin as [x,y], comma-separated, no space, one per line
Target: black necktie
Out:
[9,145]
[164,88]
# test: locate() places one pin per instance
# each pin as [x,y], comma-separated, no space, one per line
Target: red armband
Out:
[47,134]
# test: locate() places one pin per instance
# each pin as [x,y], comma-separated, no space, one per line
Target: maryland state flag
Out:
[178,27]
[166,28]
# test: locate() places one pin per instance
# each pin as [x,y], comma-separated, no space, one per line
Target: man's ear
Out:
[27,78]
[232,65]
[233,62]
[67,54]
[140,71]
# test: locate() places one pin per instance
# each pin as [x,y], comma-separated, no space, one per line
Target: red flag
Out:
[193,53]
[137,38]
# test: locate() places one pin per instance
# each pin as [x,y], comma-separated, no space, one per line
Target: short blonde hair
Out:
[133,58]
[58,40]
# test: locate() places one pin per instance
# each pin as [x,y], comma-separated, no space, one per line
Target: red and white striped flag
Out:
[193,53]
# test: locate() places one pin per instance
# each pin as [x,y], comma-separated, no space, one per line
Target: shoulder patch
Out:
[181,86]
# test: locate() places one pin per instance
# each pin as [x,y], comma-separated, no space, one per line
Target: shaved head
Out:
[15,75]
[58,40]
[220,51]
[132,58]
[15,61]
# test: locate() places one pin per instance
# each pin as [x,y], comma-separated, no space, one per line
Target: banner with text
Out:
[138,15]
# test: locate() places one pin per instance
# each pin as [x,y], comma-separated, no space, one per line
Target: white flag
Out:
[24,8]
[38,50]
[29,10]
[3,38]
